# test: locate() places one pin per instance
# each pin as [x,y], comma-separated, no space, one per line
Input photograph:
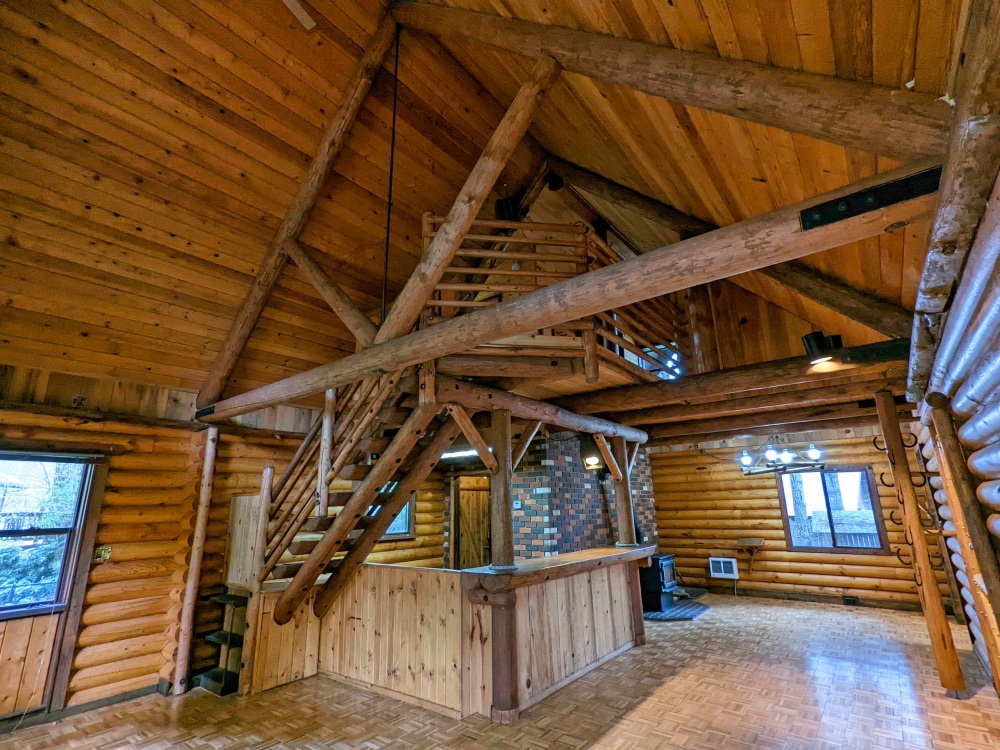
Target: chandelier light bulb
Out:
[813,452]
[745,458]
[770,453]
[786,456]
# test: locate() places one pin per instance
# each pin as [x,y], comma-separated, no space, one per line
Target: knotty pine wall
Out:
[128,630]
[704,504]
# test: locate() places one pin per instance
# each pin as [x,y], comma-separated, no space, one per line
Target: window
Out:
[836,509]
[42,498]
[402,525]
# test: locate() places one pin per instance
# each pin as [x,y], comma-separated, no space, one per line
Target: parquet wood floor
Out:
[750,673]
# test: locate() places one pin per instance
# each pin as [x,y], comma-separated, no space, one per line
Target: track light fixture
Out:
[820,347]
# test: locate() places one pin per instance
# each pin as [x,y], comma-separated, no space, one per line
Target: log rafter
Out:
[765,240]
[274,260]
[891,122]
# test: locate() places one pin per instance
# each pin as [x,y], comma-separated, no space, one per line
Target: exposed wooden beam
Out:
[787,428]
[295,218]
[406,308]
[891,122]
[970,171]
[775,237]
[475,439]
[859,390]
[774,419]
[192,579]
[479,397]
[609,458]
[938,630]
[356,321]
[682,224]
[871,311]
[744,380]
[524,442]
[485,365]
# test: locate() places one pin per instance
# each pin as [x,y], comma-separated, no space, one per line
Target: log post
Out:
[407,306]
[623,496]
[501,508]
[325,452]
[981,564]
[504,634]
[186,634]
[253,606]
[591,362]
[942,644]
[635,603]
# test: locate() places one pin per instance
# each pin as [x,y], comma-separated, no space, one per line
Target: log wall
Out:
[128,630]
[127,636]
[704,505]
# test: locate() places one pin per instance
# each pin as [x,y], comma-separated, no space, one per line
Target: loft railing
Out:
[501,260]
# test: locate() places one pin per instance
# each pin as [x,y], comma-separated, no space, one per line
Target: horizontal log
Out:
[880,363]
[479,397]
[845,393]
[772,238]
[891,122]
[459,365]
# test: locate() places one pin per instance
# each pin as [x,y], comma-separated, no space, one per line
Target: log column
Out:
[982,569]
[623,495]
[942,644]
[325,453]
[501,507]
[186,633]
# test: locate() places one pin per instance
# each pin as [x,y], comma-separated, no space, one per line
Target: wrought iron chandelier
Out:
[777,457]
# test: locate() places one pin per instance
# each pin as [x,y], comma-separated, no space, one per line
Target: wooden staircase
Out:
[326,517]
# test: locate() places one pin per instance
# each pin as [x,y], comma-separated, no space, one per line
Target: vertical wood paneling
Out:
[567,626]
[25,656]
[399,629]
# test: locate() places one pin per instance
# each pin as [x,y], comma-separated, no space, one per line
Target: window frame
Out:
[884,547]
[75,533]
[411,529]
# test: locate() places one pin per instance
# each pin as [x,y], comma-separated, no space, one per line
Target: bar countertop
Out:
[541,569]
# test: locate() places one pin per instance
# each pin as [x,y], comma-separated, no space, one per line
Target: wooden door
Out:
[474,522]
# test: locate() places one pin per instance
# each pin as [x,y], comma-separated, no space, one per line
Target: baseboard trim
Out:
[727,590]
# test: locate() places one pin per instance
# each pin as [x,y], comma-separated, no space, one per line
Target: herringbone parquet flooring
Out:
[750,673]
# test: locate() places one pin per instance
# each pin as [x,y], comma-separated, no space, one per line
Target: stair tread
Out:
[231,600]
[225,638]
[219,681]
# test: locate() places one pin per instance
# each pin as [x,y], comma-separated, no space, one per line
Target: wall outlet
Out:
[517,505]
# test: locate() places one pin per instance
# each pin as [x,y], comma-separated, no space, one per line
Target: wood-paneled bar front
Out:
[463,642]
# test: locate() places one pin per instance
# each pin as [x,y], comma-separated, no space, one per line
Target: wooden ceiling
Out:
[725,170]
[151,147]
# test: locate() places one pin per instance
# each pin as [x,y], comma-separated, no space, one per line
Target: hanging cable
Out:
[392,165]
